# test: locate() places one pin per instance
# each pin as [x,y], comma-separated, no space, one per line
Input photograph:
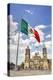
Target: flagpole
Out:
[16,66]
[22,30]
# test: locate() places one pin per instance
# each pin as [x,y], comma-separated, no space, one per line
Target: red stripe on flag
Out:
[36,34]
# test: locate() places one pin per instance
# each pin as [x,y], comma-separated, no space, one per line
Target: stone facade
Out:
[36,62]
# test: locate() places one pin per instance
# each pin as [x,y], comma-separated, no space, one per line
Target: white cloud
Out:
[32,54]
[49,56]
[48,44]
[36,44]
[21,53]
[26,42]
[13,47]
[28,11]
[41,53]
[12,24]
[15,38]
[13,52]
[32,39]
[41,26]
[48,36]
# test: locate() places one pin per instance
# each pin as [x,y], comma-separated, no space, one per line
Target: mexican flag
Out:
[24,27]
[26,30]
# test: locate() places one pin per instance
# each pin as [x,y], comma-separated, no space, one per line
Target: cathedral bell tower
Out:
[45,61]
[44,52]
[27,58]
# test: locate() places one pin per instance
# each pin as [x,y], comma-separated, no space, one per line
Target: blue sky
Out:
[40,14]
[38,17]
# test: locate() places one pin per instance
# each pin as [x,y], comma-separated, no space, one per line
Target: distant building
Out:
[36,62]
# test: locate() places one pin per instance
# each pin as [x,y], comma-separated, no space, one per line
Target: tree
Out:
[22,65]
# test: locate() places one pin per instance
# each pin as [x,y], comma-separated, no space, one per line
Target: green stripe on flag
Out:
[24,27]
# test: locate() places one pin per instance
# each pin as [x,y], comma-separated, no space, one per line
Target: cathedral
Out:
[36,62]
